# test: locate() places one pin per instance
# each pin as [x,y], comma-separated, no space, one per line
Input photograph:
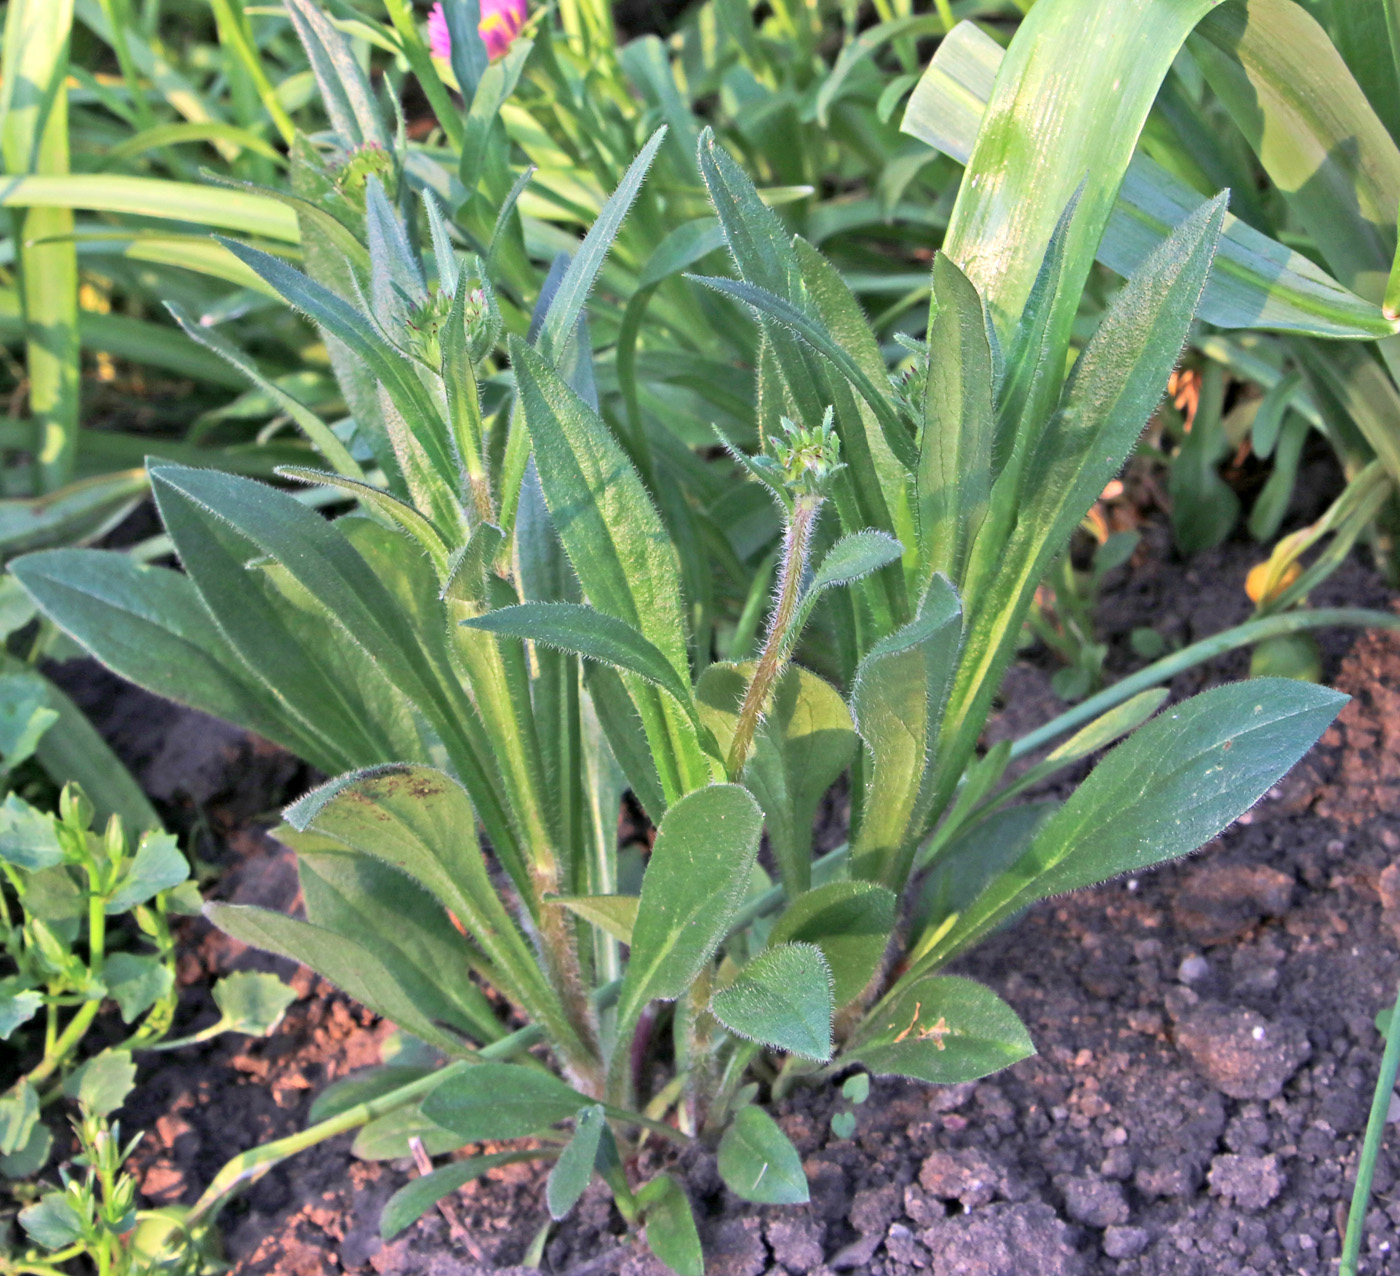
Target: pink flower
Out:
[501,21]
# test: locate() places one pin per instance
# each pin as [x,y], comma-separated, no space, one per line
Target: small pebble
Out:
[1193,969]
[1124,1242]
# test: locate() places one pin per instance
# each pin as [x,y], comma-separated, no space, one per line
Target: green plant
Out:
[71,902]
[499,640]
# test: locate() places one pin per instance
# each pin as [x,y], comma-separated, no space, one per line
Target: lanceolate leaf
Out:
[1171,786]
[941,1030]
[955,445]
[587,632]
[349,964]
[421,822]
[1257,282]
[1115,384]
[149,624]
[617,543]
[782,999]
[567,304]
[697,874]
[573,1171]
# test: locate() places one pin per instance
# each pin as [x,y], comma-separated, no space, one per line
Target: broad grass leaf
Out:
[1057,118]
[758,1162]
[782,999]
[944,1030]
[1259,282]
[697,875]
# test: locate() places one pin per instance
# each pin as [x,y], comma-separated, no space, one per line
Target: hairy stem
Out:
[797,541]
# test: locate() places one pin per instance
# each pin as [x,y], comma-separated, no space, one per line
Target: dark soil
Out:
[1207,1050]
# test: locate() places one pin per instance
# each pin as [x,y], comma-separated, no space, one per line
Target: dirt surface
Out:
[1205,1036]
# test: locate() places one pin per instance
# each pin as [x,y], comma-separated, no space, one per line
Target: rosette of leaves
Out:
[496,642]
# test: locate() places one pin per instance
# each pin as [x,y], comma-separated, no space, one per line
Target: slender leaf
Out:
[573,1171]
[417,1197]
[500,1101]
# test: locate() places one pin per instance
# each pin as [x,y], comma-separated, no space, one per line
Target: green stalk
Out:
[253,1164]
[1371,1146]
[797,540]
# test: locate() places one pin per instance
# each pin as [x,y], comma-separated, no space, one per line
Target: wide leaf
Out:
[781,999]
[942,1030]
[696,877]
[758,1162]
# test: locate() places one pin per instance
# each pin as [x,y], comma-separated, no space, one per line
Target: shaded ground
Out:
[1205,1036]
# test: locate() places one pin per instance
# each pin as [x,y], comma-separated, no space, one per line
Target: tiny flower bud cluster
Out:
[809,459]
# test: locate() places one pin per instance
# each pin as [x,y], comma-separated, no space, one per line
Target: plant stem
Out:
[1371,1146]
[797,539]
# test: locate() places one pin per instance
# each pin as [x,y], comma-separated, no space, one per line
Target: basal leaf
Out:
[1167,789]
[942,1030]
[782,998]
[670,1226]
[500,1101]
[573,1171]
[417,1197]
[851,922]
[697,874]
[758,1162]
